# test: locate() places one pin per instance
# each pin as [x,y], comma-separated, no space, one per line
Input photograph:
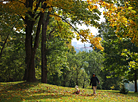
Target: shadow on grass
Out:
[132,94]
[25,91]
[118,92]
[18,86]
[30,96]
[38,97]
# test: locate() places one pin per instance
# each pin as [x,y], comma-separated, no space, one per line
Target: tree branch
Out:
[38,31]
[4,45]
[51,33]
[6,41]
[70,25]
[67,22]
[21,2]
[37,15]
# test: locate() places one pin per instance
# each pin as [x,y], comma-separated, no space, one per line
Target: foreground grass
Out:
[40,92]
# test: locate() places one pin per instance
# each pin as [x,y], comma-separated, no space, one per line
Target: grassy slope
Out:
[40,92]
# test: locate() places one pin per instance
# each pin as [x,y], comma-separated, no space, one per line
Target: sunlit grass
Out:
[40,92]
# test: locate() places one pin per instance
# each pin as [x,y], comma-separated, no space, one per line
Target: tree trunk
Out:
[64,79]
[30,49]
[44,50]
[77,73]
[136,80]
[30,45]
[30,71]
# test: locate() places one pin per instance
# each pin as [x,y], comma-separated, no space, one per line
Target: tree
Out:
[58,70]
[114,62]
[35,10]
[132,75]
[80,12]
[94,60]
[118,18]
[126,28]
[80,63]
[6,28]
[12,62]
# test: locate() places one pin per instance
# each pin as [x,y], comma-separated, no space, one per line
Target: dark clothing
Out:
[94,81]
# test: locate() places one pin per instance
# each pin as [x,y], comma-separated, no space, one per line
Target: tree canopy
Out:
[55,21]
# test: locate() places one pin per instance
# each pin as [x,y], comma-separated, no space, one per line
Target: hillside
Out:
[40,92]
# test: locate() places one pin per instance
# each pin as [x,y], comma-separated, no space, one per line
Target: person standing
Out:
[94,81]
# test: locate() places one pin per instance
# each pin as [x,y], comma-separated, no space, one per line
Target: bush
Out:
[123,89]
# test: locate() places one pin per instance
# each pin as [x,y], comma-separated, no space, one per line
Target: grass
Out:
[40,92]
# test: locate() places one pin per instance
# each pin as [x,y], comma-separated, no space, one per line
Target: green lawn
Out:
[40,92]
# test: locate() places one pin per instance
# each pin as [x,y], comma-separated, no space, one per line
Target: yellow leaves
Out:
[130,8]
[41,9]
[16,7]
[23,1]
[50,9]
[89,2]
[87,36]
[132,64]
[133,11]
[91,7]
[85,33]
[132,22]
[65,4]
[78,36]
[134,57]
[92,1]
[48,2]
[96,43]
[112,87]
[57,18]
[105,4]
[121,17]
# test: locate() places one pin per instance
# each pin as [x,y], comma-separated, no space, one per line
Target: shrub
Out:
[123,89]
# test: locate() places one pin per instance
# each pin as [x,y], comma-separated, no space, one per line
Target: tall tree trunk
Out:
[30,49]
[136,80]
[77,73]
[44,50]
[30,71]
[64,79]
[30,45]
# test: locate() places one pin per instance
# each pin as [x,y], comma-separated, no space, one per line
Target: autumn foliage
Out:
[122,17]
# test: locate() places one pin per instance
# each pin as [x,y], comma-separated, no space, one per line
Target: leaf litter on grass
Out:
[40,92]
